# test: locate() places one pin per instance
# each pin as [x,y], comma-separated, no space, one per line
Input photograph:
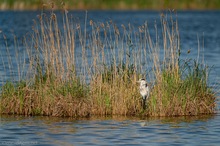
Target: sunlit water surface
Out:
[205,130]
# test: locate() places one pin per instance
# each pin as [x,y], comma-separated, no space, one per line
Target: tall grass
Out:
[91,69]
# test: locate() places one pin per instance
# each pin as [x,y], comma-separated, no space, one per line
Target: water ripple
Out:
[60,131]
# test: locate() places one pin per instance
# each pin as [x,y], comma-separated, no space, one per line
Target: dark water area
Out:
[205,130]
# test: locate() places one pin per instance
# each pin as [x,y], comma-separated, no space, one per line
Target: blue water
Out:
[110,131]
[205,130]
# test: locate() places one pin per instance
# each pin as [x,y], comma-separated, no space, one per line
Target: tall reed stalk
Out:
[76,72]
[181,85]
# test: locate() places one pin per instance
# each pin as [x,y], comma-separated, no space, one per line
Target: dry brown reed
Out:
[75,73]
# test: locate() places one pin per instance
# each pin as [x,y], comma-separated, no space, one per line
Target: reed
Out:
[78,73]
[181,85]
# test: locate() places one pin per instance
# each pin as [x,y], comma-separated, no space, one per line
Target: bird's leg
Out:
[144,103]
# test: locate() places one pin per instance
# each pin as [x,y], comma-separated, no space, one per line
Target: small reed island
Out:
[78,71]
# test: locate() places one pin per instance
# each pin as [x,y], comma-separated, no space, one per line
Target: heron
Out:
[144,91]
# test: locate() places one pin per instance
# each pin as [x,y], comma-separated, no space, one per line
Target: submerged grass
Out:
[75,73]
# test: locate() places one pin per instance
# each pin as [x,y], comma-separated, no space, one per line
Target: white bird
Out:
[144,90]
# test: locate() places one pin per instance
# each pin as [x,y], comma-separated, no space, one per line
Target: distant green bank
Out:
[110,4]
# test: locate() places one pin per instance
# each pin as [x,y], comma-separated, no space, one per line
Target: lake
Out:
[198,130]
[18,130]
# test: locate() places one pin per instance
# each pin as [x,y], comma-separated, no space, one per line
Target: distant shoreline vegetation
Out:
[110,4]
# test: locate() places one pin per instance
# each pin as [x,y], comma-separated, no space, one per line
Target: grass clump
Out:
[178,94]
[75,73]
[181,86]
[67,99]
[114,92]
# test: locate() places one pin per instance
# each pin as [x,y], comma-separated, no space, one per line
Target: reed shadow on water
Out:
[73,72]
